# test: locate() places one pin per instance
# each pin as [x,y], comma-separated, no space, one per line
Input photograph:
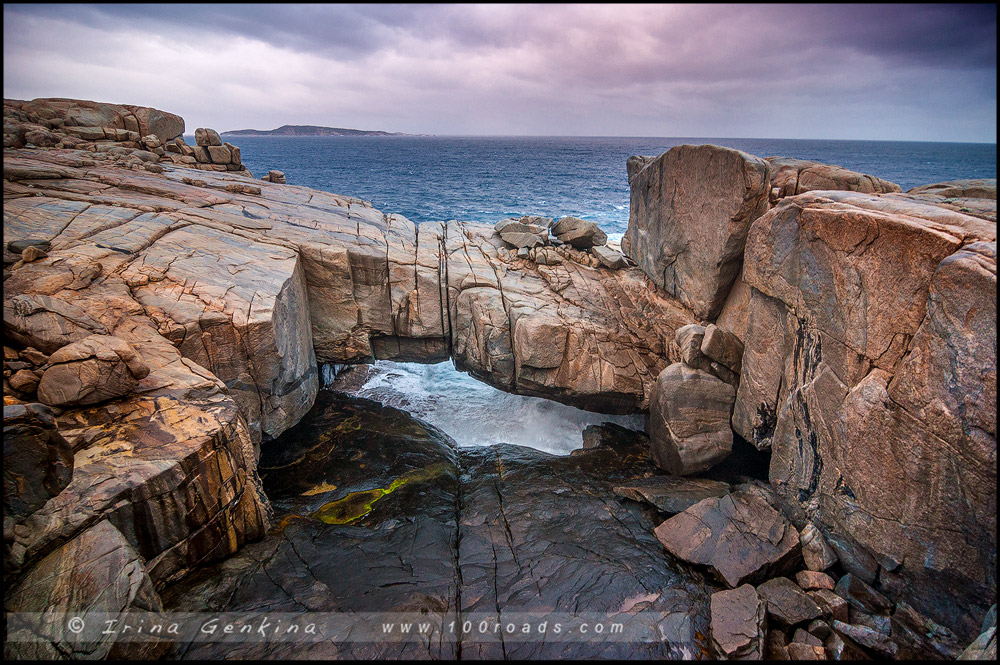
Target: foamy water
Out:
[476,414]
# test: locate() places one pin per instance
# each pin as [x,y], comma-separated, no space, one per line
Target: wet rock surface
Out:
[376,511]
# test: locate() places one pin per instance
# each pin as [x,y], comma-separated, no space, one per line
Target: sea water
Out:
[485,179]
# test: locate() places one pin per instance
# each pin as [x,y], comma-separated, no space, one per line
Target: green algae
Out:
[356,505]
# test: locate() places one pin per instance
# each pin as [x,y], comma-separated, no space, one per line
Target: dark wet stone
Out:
[365,501]
[37,460]
[545,533]
[672,494]
[376,511]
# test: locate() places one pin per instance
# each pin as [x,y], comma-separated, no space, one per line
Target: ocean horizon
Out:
[487,178]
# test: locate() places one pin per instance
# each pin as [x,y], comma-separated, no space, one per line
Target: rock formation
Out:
[172,312]
[691,209]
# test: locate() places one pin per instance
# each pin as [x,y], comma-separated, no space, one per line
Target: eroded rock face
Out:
[689,415]
[873,333]
[797,176]
[691,209]
[672,494]
[739,537]
[95,369]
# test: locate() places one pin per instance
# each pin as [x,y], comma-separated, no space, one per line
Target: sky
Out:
[870,72]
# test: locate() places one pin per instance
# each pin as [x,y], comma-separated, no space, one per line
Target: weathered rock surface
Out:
[95,369]
[479,532]
[797,176]
[739,623]
[98,571]
[869,370]
[979,188]
[810,579]
[739,537]
[920,638]
[207,137]
[689,415]
[691,208]
[672,494]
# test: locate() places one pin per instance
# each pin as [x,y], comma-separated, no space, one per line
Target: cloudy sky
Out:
[897,72]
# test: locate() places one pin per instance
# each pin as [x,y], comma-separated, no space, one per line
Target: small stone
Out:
[24,380]
[787,603]
[838,649]
[811,579]
[32,253]
[816,552]
[832,605]
[820,629]
[582,234]
[277,177]
[34,356]
[672,494]
[723,346]
[609,258]
[866,637]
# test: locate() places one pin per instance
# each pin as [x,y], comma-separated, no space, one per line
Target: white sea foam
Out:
[475,414]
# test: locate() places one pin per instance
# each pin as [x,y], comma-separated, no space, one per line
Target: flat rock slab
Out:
[672,494]
[739,624]
[379,512]
[739,537]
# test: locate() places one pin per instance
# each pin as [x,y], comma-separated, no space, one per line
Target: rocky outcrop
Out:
[95,369]
[869,371]
[979,188]
[797,176]
[691,209]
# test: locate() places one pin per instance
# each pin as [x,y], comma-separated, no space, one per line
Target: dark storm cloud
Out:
[862,71]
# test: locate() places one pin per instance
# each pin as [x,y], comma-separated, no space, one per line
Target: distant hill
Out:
[307,130]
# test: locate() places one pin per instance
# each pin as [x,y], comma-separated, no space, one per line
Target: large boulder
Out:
[739,537]
[796,176]
[95,369]
[517,234]
[870,372]
[689,412]
[691,209]
[580,233]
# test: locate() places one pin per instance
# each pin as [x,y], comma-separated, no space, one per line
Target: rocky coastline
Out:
[167,444]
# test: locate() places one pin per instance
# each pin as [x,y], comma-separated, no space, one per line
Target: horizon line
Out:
[389,134]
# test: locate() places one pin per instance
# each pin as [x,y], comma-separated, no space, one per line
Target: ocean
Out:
[485,179]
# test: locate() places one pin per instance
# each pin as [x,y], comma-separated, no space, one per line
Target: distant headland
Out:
[308,130]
